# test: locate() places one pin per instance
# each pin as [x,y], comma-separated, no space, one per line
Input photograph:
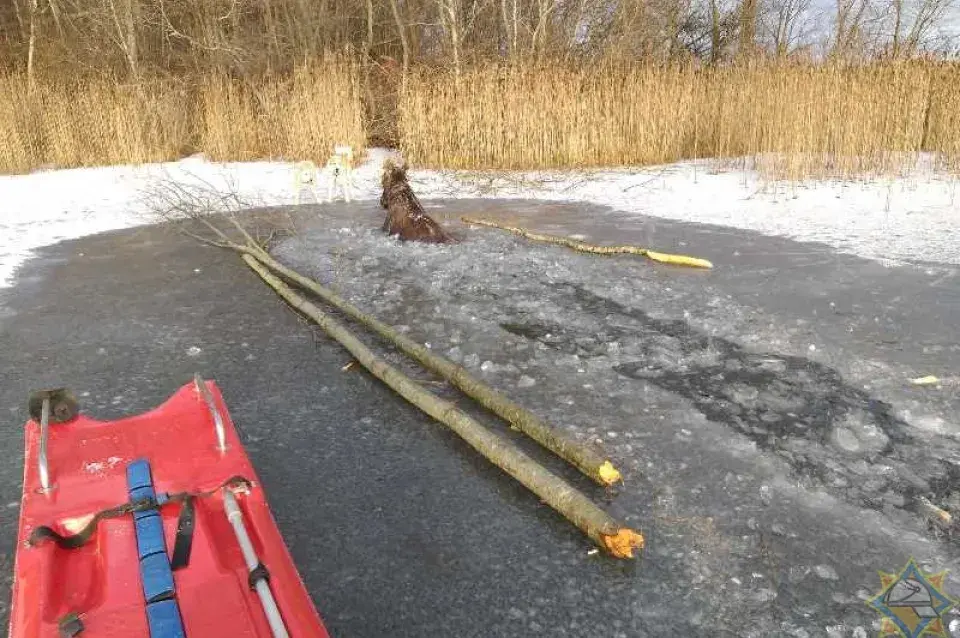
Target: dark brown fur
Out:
[405,215]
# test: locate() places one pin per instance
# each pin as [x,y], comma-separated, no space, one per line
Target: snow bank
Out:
[903,219]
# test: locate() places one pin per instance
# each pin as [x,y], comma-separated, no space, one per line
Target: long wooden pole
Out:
[617,539]
[587,459]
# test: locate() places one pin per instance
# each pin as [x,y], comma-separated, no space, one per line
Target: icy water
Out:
[761,412]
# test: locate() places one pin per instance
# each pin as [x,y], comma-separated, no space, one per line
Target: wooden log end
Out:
[623,543]
[609,474]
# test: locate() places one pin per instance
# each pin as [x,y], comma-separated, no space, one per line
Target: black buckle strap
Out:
[184,541]
[159,598]
[257,574]
[79,539]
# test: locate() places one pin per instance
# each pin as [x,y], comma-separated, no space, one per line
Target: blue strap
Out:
[156,577]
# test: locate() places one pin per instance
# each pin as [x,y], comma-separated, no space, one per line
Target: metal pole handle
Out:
[235,516]
[42,464]
[50,407]
[214,412]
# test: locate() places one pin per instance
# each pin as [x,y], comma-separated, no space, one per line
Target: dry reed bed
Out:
[99,121]
[299,117]
[797,119]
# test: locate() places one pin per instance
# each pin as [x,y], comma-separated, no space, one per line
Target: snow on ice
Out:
[914,218]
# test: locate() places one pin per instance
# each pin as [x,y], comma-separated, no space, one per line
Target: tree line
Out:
[137,38]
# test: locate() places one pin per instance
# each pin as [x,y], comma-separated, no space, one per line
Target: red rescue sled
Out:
[152,526]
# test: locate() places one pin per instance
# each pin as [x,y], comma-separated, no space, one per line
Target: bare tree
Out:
[913,23]
[544,13]
[510,12]
[402,31]
[125,19]
[32,45]
[18,15]
[451,12]
[653,29]
[749,9]
[788,25]
[716,39]
[848,28]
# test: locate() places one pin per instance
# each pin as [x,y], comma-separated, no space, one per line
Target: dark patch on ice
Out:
[816,394]
[787,404]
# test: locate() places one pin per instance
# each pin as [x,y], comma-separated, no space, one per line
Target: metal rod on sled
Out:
[250,557]
[49,407]
[214,412]
[42,456]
